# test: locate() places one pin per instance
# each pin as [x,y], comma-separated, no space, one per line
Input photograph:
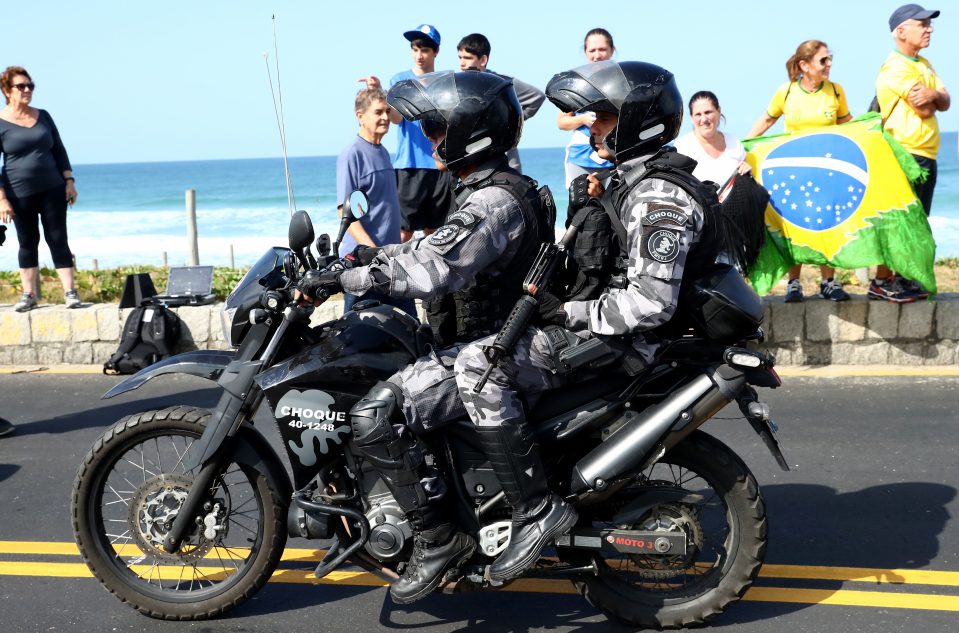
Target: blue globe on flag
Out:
[816,181]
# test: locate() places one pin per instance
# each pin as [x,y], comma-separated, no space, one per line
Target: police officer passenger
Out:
[638,110]
[474,265]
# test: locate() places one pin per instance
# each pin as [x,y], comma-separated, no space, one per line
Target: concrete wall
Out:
[816,332]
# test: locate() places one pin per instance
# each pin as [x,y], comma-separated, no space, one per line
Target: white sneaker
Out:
[71,298]
[27,302]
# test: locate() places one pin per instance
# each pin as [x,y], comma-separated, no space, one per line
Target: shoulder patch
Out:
[444,235]
[661,245]
[464,219]
[665,214]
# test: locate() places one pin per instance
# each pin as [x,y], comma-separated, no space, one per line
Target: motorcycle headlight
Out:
[226,323]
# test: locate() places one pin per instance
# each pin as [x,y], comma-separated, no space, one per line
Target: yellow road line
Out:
[841,597]
[854,598]
[862,574]
[872,575]
[42,548]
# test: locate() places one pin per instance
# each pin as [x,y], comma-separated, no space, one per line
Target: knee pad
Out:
[378,426]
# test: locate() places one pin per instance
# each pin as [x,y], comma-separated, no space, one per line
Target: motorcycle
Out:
[184,513]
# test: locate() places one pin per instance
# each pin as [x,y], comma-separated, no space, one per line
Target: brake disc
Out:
[153,510]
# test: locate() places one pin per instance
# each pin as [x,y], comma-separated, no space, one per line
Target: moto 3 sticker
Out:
[662,246]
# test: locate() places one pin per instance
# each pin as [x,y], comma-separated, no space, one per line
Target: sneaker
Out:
[794,291]
[914,287]
[890,290]
[71,298]
[27,302]
[832,290]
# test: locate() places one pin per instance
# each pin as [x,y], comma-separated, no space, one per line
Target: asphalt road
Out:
[861,531]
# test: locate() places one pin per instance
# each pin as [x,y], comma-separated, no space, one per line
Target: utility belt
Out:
[569,353]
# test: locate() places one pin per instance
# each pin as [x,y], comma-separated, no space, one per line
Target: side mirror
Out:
[354,208]
[301,231]
[356,205]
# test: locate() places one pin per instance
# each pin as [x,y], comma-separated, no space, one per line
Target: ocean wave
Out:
[141,237]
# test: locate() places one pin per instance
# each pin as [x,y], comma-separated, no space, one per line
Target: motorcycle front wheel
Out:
[723,520]
[126,495]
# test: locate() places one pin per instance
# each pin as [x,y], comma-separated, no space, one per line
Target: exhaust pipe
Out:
[682,413]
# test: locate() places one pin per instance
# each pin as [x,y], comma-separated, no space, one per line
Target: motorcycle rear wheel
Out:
[726,541]
[125,497]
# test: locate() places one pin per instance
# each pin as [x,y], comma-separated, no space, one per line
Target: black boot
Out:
[435,551]
[538,515]
[389,447]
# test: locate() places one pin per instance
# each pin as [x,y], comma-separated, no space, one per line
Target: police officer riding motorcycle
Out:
[470,270]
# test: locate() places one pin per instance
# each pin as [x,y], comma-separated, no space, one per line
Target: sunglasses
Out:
[823,60]
[24,87]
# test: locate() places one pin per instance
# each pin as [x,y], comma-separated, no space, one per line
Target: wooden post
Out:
[96,264]
[194,250]
[231,257]
[164,260]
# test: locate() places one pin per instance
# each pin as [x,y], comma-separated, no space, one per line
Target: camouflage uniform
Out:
[438,264]
[662,223]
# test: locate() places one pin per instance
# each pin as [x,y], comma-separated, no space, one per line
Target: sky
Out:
[148,81]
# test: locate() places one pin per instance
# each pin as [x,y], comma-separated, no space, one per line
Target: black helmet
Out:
[644,96]
[478,110]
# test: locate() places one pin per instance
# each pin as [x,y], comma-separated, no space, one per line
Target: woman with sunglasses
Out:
[808,100]
[37,184]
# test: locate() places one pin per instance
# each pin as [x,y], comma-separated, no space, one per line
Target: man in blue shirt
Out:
[365,166]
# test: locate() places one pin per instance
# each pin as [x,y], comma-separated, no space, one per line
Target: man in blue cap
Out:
[910,93]
[424,190]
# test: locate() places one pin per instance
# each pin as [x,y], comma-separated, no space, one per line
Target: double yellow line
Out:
[845,597]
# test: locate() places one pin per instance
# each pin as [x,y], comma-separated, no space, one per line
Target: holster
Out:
[569,353]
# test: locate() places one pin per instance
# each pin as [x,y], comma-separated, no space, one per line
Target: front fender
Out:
[205,363]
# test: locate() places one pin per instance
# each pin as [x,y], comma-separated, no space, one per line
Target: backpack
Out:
[735,226]
[149,335]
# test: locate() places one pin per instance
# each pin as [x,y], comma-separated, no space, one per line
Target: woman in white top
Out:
[718,157]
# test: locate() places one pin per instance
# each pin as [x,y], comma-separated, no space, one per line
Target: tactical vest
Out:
[481,308]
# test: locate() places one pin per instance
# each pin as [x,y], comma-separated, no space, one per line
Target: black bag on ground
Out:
[150,334]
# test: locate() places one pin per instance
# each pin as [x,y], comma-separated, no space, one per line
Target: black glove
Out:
[321,284]
[363,255]
[578,194]
[550,309]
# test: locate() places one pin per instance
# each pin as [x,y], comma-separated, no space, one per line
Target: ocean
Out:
[131,213]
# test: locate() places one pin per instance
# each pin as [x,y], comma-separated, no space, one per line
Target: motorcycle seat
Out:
[554,402]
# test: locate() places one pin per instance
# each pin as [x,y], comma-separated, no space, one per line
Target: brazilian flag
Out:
[842,196]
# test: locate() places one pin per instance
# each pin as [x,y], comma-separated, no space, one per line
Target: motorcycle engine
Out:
[390,532]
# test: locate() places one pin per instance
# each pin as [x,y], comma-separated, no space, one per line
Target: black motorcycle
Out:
[184,512]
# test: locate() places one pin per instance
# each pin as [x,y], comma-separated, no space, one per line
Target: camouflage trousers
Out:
[430,396]
[526,372]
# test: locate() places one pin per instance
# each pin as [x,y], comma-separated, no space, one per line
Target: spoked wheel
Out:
[126,496]
[723,519]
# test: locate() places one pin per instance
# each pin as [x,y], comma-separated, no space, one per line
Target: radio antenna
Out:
[280,121]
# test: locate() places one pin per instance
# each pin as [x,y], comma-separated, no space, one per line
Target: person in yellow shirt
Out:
[806,101]
[909,93]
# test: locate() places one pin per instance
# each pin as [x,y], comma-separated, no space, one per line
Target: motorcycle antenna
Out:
[280,120]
